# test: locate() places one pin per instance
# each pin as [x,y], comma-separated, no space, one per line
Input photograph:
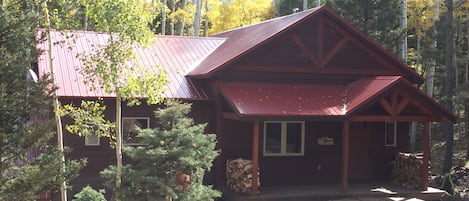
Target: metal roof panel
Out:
[176,55]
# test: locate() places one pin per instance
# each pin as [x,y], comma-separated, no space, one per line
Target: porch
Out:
[362,134]
[356,192]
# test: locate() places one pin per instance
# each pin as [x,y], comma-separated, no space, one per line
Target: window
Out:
[283,138]
[130,128]
[390,131]
[91,140]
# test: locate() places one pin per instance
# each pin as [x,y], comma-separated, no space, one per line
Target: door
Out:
[360,148]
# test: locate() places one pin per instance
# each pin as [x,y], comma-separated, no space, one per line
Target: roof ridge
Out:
[304,12]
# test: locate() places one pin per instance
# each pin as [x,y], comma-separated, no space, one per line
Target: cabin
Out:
[307,97]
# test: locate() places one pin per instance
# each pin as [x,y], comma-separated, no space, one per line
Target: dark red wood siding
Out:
[100,157]
[320,164]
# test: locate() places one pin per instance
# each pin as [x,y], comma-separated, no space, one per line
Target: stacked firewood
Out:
[239,176]
[407,170]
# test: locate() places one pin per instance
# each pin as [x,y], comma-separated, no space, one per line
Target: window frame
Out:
[283,141]
[386,144]
[87,141]
[122,129]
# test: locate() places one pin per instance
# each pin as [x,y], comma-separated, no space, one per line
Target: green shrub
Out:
[89,194]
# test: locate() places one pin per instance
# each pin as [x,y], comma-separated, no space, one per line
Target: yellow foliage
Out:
[420,15]
[462,12]
[225,15]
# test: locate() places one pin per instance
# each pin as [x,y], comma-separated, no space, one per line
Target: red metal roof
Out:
[242,40]
[177,55]
[367,88]
[280,100]
[303,100]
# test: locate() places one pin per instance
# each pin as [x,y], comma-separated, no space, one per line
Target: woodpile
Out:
[407,170]
[239,176]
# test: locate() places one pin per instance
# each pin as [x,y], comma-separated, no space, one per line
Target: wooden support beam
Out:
[306,69]
[418,104]
[394,101]
[305,49]
[380,118]
[402,104]
[386,106]
[360,45]
[426,154]
[334,52]
[345,155]
[255,158]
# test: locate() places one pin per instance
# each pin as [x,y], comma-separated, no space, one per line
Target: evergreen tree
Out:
[24,129]
[178,148]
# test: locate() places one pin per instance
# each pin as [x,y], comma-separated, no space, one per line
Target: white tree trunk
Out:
[206,19]
[163,17]
[198,7]
[118,145]
[403,24]
[430,78]
[56,105]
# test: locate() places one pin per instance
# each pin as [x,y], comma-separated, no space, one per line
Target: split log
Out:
[239,176]
[407,170]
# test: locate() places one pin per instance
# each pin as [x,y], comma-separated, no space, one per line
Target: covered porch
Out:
[372,100]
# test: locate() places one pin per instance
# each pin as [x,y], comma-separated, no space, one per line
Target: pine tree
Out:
[24,124]
[177,148]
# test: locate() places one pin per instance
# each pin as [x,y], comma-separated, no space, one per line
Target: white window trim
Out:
[386,134]
[122,127]
[283,142]
[88,142]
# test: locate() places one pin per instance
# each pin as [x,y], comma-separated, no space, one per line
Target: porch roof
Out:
[288,100]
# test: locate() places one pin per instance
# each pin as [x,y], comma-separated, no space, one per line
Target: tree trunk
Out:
[466,124]
[56,105]
[118,146]
[173,9]
[206,19]
[198,6]
[431,68]
[163,17]
[466,100]
[183,21]
[403,24]
[449,88]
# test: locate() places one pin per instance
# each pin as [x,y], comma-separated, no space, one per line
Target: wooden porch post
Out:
[255,157]
[345,155]
[426,154]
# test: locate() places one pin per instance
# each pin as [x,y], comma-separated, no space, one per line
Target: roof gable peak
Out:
[246,40]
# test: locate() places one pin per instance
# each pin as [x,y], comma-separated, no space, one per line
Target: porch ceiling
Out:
[331,101]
